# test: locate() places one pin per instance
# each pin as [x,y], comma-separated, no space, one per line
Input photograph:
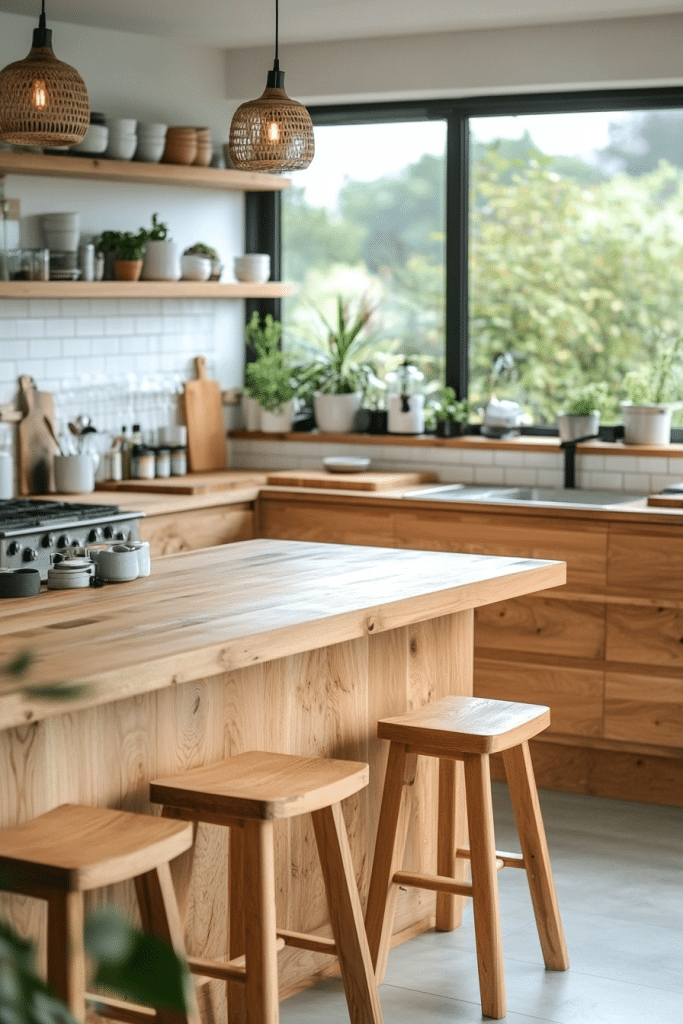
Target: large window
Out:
[545,229]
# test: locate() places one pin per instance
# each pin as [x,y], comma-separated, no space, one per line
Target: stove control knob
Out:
[13,548]
[120,535]
[48,540]
[64,541]
[30,554]
[94,534]
[108,532]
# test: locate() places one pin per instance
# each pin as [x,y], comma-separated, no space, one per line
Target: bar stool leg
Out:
[160,917]
[524,795]
[392,831]
[485,885]
[346,916]
[449,908]
[258,898]
[237,1005]
[65,953]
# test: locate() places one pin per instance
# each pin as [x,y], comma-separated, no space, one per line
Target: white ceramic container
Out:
[279,421]
[336,414]
[252,267]
[75,474]
[646,424]
[194,267]
[162,262]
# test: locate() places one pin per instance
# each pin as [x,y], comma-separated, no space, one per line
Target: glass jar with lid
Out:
[405,400]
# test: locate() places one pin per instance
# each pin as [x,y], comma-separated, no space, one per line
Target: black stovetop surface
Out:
[33,513]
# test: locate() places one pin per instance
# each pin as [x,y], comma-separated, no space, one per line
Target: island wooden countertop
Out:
[202,613]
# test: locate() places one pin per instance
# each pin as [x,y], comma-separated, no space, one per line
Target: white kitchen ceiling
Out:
[242,23]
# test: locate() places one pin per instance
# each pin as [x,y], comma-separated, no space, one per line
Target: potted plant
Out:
[162,256]
[652,392]
[581,417]
[270,379]
[128,256]
[208,252]
[450,413]
[337,377]
[106,244]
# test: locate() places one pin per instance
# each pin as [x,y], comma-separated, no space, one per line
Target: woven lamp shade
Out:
[43,101]
[272,133]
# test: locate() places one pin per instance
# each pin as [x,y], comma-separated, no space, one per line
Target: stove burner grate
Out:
[31,513]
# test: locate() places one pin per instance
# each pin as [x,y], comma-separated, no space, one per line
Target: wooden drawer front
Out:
[645,635]
[571,629]
[574,696]
[197,528]
[584,550]
[348,524]
[645,563]
[644,709]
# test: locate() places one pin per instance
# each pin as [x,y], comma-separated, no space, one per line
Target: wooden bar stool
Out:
[72,849]
[247,793]
[466,729]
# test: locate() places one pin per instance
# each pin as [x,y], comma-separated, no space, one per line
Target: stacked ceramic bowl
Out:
[96,137]
[254,266]
[122,138]
[204,148]
[151,142]
[61,231]
[181,145]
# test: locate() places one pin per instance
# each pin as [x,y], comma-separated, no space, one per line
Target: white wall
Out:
[596,54]
[129,347]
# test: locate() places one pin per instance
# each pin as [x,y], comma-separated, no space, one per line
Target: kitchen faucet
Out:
[570,457]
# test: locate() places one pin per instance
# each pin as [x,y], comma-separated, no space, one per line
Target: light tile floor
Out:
[618,869]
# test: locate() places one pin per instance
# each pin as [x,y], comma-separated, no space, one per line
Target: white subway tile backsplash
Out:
[46,309]
[8,329]
[29,328]
[44,348]
[489,475]
[13,309]
[637,482]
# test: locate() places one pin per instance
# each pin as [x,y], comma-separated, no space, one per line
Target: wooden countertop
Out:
[202,613]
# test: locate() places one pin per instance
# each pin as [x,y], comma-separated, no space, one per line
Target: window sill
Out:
[469,441]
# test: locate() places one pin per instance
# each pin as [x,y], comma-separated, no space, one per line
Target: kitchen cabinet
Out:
[197,528]
[604,651]
[96,169]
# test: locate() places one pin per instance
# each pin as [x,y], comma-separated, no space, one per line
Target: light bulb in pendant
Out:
[273,132]
[39,94]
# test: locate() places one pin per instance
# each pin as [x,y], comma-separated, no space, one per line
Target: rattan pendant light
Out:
[43,101]
[272,133]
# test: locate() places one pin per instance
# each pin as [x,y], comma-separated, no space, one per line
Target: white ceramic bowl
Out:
[122,124]
[195,268]
[60,220]
[253,267]
[95,141]
[122,148]
[150,150]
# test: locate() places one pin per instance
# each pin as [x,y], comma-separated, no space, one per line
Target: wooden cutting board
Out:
[36,448]
[348,481]
[192,483]
[665,500]
[206,447]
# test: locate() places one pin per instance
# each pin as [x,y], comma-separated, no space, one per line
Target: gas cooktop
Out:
[20,514]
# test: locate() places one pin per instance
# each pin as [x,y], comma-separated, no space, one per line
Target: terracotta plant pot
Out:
[127,270]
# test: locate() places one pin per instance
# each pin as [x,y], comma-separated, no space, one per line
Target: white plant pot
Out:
[571,427]
[336,414]
[647,424]
[279,421]
[251,412]
[162,262]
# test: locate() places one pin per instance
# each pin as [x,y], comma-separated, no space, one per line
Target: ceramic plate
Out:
[345,464]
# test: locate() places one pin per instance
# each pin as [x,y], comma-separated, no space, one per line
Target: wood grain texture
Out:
[645,560]
[645,636]
[302,520]
[197,528]
[568,629]
[36,447]
[366,481]
[191,483]
[644,709]
[202,612]
[206,435]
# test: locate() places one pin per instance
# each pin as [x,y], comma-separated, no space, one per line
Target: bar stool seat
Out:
[248,793]
[72,849]
[466,729]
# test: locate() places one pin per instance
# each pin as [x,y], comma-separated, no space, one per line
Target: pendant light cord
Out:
[276,64]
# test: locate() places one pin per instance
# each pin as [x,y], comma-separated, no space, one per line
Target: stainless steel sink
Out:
[569,497]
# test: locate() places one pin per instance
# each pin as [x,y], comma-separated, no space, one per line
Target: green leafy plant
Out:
[130,246]
[336,369]
[448,408]
[659,382]
[107,241]
[201,249]
[159,231]
[589,398]
[272,377]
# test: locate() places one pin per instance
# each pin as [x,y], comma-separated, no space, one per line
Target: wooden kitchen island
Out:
[281,645]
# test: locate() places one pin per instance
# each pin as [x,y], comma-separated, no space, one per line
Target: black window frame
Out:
[263,213]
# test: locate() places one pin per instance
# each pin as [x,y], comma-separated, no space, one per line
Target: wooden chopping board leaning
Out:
[36,448]
[206,445]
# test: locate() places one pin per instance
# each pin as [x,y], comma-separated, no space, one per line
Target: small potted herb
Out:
[451,413]
[581,417]
[207,252]
[653,391]
[162,256]
[128,255]
[270,379]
